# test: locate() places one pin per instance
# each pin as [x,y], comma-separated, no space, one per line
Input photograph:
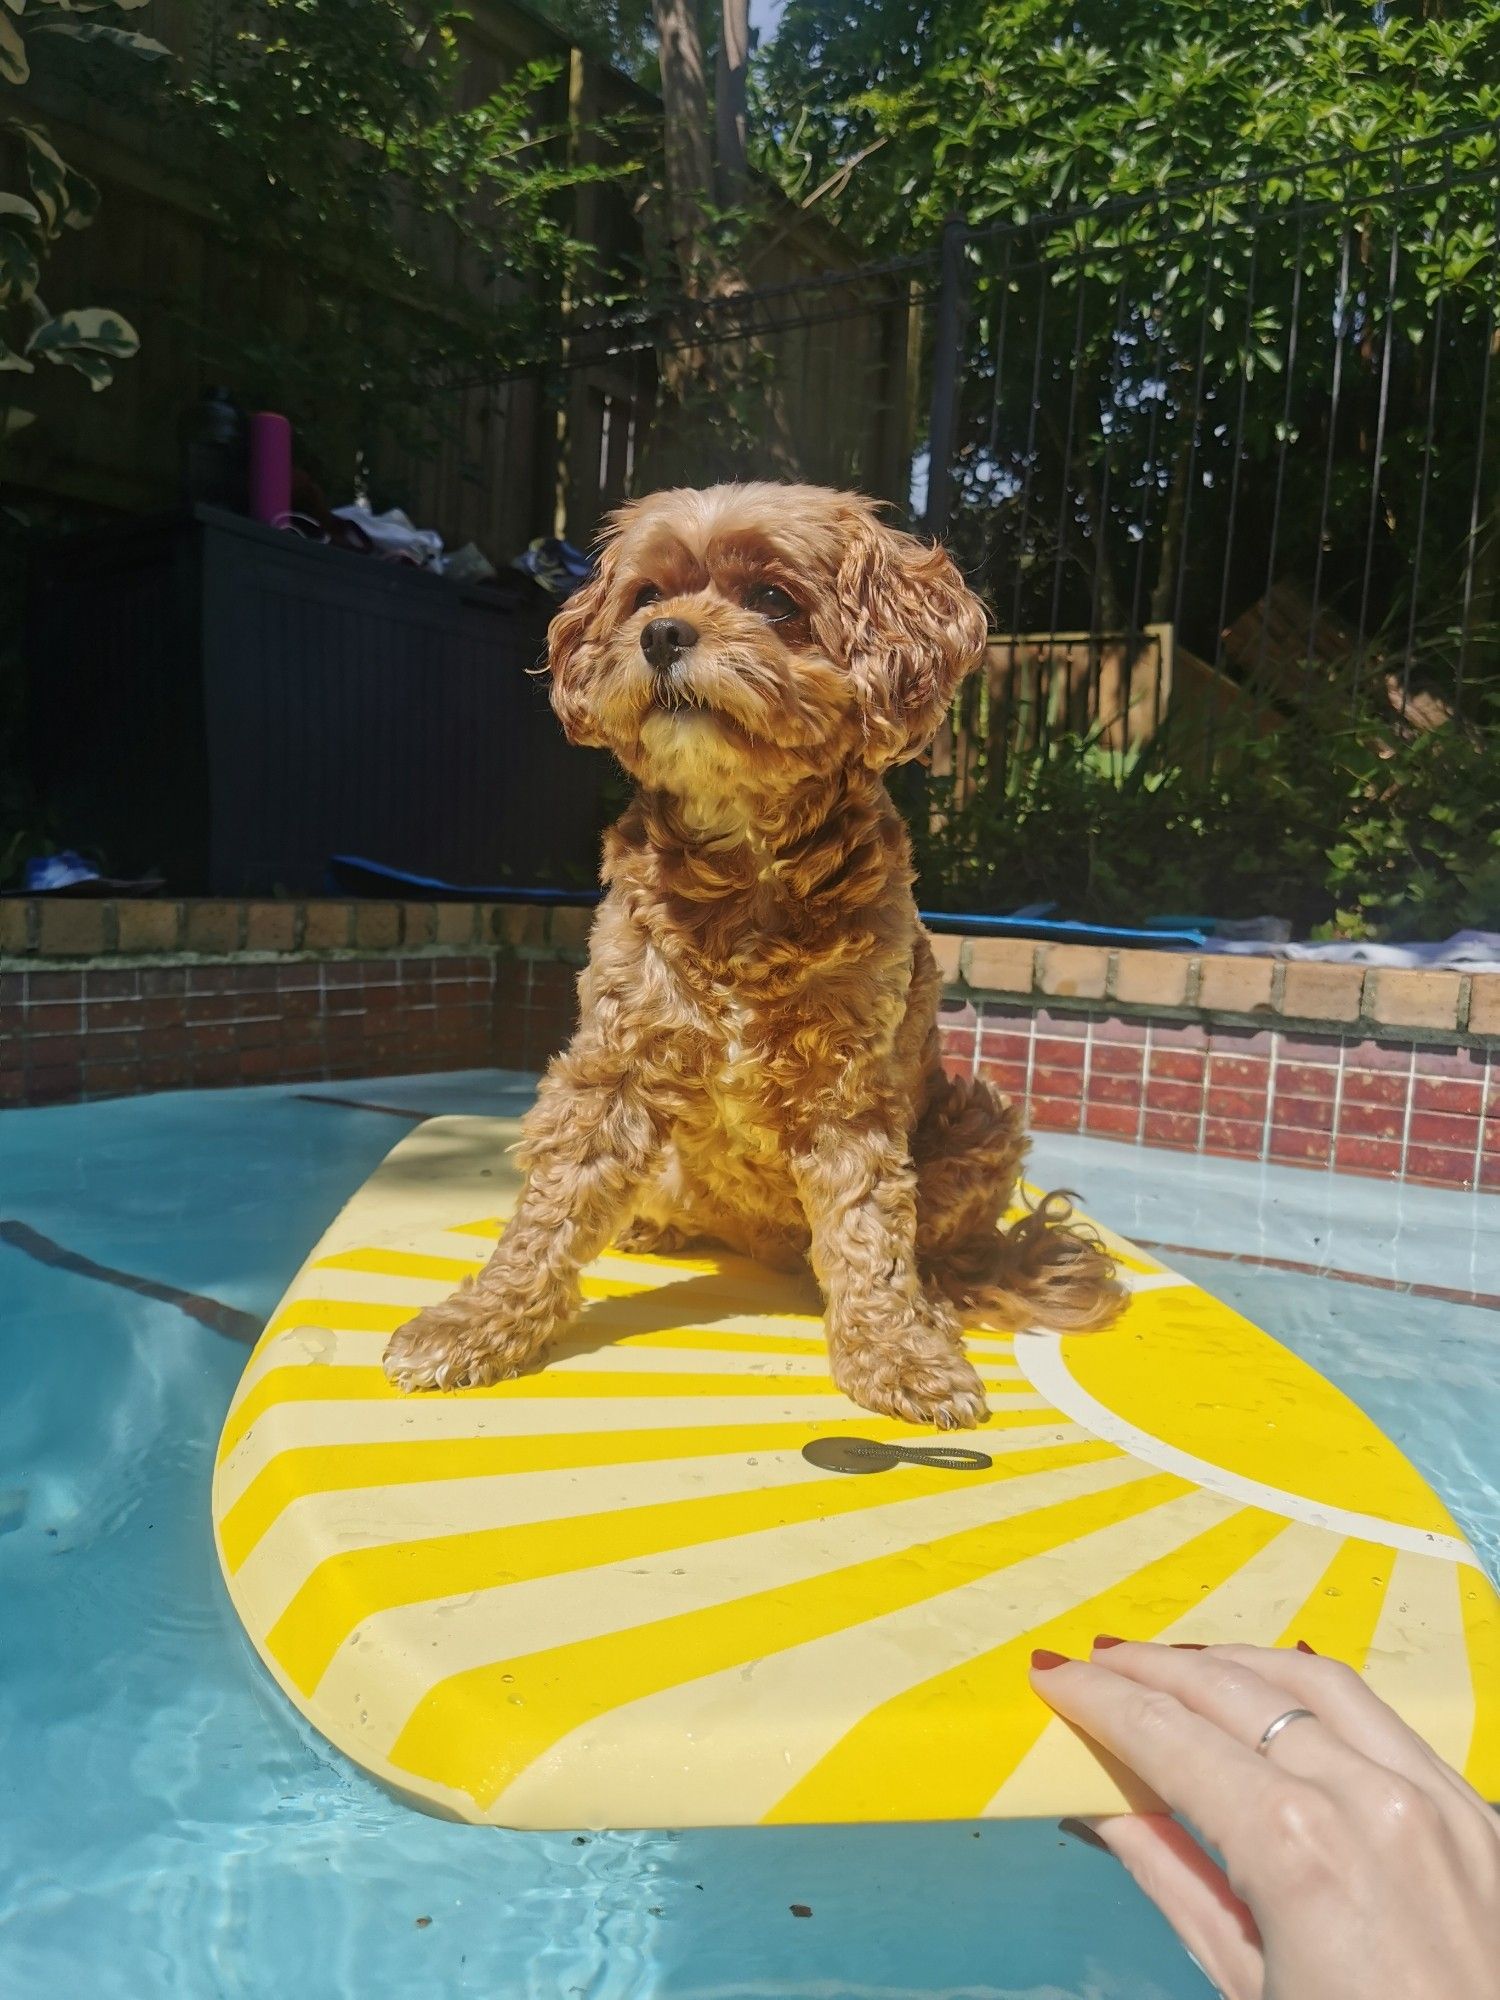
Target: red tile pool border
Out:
[1335,1067]
[1403,1110]
[68,1033]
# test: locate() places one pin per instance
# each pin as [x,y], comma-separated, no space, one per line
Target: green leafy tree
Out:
[907,109]
[1151,359]
[87,339]
[1231,322]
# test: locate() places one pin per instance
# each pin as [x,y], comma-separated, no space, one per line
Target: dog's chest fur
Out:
[769,1058]
[772,980]
[732,1083]
[762,1074]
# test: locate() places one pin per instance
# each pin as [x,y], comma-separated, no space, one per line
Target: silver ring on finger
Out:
[1273,1729]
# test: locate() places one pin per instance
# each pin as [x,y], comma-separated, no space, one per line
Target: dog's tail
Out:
[1044,1270]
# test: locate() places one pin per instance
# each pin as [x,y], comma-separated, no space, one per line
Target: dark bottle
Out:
[214,453]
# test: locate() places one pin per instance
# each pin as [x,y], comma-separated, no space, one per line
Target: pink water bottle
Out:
[270,468]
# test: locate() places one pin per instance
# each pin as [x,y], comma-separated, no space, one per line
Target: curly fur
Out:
[757,1058]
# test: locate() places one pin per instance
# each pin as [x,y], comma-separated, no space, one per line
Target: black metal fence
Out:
[1216,455]
[1227,452]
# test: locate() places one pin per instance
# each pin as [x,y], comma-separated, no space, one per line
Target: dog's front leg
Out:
[592,1137]
[890,1346]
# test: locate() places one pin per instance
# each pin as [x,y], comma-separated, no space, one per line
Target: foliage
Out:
[1033,106]
[88,339]
[1349,832]
[1417,850]
[1230,326]
[398,209]
[620,32]
[1193,235]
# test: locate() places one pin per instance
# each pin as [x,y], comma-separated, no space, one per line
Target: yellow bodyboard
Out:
[615,1592]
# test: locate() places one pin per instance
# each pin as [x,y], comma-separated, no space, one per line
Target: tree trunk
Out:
[730,99]
[689,154]
[719,411]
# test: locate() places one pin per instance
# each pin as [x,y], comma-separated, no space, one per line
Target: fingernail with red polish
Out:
[1079,1829]
[1105,1640]
[1303,1647]
[1043,1660]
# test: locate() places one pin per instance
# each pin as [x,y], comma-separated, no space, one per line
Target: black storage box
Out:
[231,705]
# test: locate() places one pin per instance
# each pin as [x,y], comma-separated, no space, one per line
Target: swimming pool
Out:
[169,1828]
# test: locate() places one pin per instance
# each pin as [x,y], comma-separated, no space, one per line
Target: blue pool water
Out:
[170,1831]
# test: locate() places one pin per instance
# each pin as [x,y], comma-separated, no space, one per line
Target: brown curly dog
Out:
[757,1059]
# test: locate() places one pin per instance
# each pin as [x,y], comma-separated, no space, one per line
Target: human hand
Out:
[1357,1864]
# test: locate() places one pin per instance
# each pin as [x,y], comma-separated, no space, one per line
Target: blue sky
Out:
[764,14]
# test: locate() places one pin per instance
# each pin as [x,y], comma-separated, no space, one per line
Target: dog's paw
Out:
[926,1388]
[461,1343]
[653,1239]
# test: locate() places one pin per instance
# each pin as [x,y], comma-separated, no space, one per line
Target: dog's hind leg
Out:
[1043,1270]
[642,1238]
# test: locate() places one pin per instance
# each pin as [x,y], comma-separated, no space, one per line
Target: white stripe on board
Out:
[574,1353]
[693,1739]
[1418,1660]
[1042,1361]
[1150,1281]
[406,1419]
[333,1522]
[395,1657]
[1251,1608]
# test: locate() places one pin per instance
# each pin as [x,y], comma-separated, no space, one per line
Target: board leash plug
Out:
[867,1455]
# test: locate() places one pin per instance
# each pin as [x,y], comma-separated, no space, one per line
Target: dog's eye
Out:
[772,602]
[646,594]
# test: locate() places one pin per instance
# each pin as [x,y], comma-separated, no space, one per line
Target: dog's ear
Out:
[572,649]
[909,630]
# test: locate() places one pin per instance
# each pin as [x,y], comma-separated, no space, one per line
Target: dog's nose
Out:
[664,640]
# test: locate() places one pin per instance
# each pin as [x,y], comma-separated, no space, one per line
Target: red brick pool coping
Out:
[1364,1070]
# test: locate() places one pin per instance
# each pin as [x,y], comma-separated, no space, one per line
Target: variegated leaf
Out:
[94,368]
[20,272]
[13,363]
[83,201]
[99,31]
[85,330]
[48,174]
[14,67]
[14,420]
[17,204]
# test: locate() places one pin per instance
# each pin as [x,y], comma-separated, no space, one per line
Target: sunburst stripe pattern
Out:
[613,1592]
[350,1587]
[439,1741]
[403,1653]
[301,1473]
